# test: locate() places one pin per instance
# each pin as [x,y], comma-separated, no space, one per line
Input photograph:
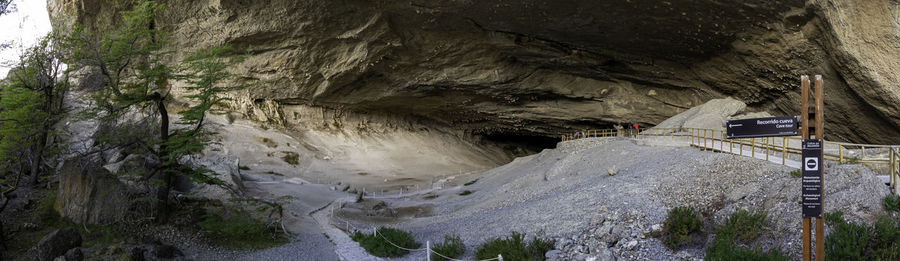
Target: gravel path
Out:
[345,247]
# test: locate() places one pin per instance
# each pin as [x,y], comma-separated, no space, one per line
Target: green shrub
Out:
[452,247]
[237,228]
[291,157]
[539,247]
[377,245]
[470,182]
[852,160]
[679,226]
[46,212]
[743,225]
[466,192]
[834,218]
[241,167]
[848,241]
[513,248]
[886,238]
[796,173]
[891,202]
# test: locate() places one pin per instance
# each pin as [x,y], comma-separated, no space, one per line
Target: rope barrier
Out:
[428,250]
[400,247]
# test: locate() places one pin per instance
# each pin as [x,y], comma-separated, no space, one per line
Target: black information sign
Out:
[812,178]
[761,127]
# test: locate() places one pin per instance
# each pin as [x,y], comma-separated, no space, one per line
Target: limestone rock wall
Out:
[548,67]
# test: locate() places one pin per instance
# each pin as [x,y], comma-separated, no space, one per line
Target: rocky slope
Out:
[569,194]
[545,67]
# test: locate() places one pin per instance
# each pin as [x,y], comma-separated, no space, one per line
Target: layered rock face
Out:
[547,67]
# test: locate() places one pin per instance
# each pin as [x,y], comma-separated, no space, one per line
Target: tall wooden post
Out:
[804,132]
[812,124]
[820,134]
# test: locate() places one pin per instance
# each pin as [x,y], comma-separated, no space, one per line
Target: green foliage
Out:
[539,247]
[679,226]
[291,157]
[470,182]
[21,117]
[891,202]
[103,235]
[745,227]
[242,167]
[452,247]
[852,160]
[465,192]
[205,75]
[886,237]
[128,52]
[848,241]
[235,227]
[31,104]
[46,212]
[834,218]
[378,245]
[796,173]
[513,248]
[851,241]
[268,142]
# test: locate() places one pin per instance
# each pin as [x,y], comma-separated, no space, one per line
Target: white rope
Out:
[445,257]
[400,247]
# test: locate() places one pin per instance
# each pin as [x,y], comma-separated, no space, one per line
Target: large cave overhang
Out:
[547,68]
[676,30]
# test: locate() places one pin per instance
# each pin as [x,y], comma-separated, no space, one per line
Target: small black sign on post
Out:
[762,127]
[812,178]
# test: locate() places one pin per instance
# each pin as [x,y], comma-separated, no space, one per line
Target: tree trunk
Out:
[42,138]
[165,178]
[38,158]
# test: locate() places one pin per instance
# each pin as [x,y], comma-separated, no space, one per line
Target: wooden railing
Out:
[873,156]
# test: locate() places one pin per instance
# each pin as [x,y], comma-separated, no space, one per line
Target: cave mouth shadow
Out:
[519,144]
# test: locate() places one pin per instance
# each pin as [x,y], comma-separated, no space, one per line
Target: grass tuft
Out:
[680,224]
[452,247]
[238,229]
[741,226]
[465,192]
[377,245]
[470,182]
[291,157]
[513,248]
[891,202]
[796,173]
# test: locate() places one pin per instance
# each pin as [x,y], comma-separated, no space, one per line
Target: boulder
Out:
[89,194]
[74,254]
[57,244]
[612,171]
[706,116]
[224,167]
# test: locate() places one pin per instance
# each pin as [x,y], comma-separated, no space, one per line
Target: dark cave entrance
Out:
[518,144]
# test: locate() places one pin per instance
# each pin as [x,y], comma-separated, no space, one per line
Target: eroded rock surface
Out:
[89,194]
[548,67]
